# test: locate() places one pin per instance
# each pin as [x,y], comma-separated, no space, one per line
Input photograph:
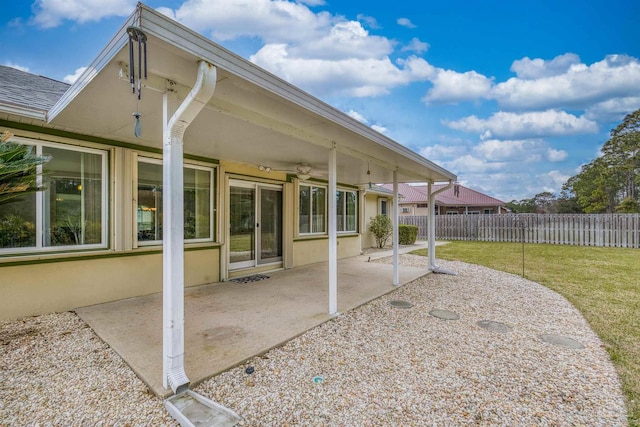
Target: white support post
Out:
[333,234]
[396,233]
[431,233]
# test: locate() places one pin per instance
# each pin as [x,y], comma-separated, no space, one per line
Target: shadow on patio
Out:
[228,323]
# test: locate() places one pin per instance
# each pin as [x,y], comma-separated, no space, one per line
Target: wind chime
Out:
[136,36]
[369,173]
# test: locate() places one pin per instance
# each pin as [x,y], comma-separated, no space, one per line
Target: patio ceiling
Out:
[253,118]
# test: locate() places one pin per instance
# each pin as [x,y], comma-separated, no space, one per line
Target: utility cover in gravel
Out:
[493,326]
[444,314]
[561,341]
[400,304]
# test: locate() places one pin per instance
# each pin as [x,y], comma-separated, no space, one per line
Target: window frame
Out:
[141,158]
[326,208]
[40,202]
[344,210]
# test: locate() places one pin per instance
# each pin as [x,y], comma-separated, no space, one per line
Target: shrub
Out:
[407,234]
[381,228]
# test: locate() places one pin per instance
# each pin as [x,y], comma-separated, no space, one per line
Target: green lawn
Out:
[603,283]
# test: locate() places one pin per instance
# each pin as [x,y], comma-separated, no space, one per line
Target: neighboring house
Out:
[264,165]
[452,201]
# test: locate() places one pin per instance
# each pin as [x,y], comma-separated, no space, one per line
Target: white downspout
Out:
[173,372]
[432,228]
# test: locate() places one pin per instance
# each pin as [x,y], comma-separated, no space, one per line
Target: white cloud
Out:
[440,152]
[379,128]
[405,22]
[415,45]
[526,125]
[358,77]
[555,156]
[346,39]
[579,86]
[472,164]
[71,78]
[370,21]
[451,87]
[527,68]
[613,110]
[319,52]
[550,181]
[510,150]
[51,13]
[312,2]
[272,21]
[17,67]
[359,117]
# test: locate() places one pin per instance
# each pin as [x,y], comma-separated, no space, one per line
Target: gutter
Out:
[432,229]
[173,372]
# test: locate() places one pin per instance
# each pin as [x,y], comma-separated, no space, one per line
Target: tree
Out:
[623,154]
[522,206]
[18,169]
[603,184]
[381,228]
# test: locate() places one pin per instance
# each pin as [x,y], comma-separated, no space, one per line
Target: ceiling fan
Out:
[302,170]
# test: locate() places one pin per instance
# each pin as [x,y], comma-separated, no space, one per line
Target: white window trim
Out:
[344,212]
[326,208]
[153,160]
[104,217]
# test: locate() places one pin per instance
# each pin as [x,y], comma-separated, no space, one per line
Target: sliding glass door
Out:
[255,229]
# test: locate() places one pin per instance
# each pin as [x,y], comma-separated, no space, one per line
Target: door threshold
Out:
[265,268]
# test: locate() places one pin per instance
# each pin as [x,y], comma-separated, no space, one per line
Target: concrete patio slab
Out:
[228,323]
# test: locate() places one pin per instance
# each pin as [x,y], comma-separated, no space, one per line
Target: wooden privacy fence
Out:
[613,230]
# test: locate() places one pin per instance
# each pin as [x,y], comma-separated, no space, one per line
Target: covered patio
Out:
[227,323]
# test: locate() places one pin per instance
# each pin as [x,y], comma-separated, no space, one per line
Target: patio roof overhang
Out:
[253,117]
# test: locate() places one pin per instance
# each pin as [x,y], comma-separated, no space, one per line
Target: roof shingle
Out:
[23,89]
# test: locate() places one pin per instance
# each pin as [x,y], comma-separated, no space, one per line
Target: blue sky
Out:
[513,96]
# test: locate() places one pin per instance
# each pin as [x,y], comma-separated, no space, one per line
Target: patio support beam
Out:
[396,233]
[174,127]
[333,234]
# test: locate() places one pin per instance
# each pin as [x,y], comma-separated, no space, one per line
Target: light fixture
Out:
[303,176]
[264,168]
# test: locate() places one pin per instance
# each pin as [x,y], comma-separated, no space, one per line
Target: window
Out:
[452,212]
[313,210]
[347,211]
[423,205]
[406,210]
[198,202]
[488,211]
[383,207]
[70,213]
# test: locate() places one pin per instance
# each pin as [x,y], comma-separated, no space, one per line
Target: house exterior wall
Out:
[32,289]
[309,251]
[49,279]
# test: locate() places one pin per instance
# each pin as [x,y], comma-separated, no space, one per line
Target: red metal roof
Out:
[465,197]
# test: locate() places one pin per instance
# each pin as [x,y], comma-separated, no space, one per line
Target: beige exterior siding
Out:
[33,289]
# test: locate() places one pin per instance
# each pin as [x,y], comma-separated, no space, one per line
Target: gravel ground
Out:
[375,365]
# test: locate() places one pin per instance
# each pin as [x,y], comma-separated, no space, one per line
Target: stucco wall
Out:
[60,286]
[317,250]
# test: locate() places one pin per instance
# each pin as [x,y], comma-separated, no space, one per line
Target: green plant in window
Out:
[18,168]
[381,228]
[16,232]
